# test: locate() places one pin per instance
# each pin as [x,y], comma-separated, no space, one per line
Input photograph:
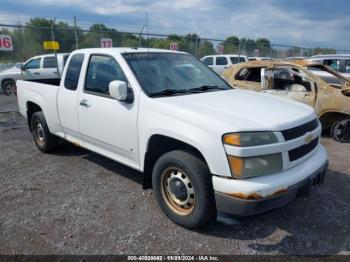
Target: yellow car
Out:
[308,82]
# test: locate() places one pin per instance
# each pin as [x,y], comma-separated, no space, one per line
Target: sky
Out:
[305,23]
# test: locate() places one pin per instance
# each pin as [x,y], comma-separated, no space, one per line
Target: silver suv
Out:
[338,62]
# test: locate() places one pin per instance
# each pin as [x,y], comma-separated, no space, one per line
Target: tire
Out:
[43,139]
[9,87]
[172,172]
[340,130]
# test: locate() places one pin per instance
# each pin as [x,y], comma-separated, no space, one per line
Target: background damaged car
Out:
[328,91]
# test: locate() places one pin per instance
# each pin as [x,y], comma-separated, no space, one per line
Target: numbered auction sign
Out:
[173,46]
[106,42]
[6,43]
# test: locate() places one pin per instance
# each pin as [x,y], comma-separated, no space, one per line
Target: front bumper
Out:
[257,195]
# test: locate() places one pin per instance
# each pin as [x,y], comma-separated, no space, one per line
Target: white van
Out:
[219,63]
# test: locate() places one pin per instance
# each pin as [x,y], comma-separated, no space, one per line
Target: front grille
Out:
[303,150]
[298,131]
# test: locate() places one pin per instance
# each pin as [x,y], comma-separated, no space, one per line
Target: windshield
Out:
[173,73]
[330,77]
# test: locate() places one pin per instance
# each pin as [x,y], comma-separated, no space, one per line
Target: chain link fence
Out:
[28,41]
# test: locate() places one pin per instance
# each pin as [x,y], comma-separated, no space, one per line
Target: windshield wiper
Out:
[204,88]
[168,92]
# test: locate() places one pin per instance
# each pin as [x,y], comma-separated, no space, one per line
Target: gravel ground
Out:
[76,202]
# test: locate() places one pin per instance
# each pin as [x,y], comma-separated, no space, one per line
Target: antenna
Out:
[147,31]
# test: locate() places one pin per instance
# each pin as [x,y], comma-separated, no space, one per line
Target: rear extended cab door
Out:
[49,67]
[67,98]
[221,64]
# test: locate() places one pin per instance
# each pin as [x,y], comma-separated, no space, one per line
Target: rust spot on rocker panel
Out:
[255,195]
[246,196]
[280,191]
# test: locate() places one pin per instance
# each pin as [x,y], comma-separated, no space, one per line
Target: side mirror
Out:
[23,67]
[119,90]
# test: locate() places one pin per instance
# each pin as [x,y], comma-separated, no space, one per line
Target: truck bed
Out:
[44,95]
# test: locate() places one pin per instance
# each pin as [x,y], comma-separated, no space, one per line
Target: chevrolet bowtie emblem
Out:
[308,138]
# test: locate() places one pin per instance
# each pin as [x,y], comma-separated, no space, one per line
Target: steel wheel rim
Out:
[341,131]
[10,89]
[179,206]
[39,132]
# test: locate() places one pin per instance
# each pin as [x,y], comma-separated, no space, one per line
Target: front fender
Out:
[208,144]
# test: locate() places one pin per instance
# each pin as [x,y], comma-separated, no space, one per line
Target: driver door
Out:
[290,83]
[107,126]
[33,69]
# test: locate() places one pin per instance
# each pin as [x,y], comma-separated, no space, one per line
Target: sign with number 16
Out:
[6,43]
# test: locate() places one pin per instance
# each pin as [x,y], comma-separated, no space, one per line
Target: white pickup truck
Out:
[206,149]
[43,68]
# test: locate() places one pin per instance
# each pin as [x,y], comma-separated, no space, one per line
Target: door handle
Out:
[306,95]
[36,73]
[85,103]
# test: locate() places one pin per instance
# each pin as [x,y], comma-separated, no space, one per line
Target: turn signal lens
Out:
[237,165]
[232,139]
[250,139]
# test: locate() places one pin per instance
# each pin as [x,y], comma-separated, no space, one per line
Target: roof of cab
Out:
[122,50]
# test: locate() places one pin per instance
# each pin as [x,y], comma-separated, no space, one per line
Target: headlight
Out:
[250,139]
[244,167]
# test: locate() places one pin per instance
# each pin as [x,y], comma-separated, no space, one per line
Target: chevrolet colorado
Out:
[206,149]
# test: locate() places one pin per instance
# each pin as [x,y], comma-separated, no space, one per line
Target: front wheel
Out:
[183,188]
[340,130]
[10,88]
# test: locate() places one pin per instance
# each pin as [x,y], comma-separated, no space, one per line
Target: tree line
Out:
[28,41]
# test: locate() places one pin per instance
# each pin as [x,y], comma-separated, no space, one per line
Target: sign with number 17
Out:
[106,42]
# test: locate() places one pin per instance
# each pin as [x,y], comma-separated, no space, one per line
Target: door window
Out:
[208,61]
[73,71]
[221,60]
[332,63]
[287,79]
[236,59]
[249,74]
[101,71]
[33,64]
[50,62]
[347,66]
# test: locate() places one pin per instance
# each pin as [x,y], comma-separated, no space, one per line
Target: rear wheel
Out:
[10,88]
[340,130]
[183,188]
[44,140]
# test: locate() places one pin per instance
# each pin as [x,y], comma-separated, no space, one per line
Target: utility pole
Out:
[53,39]
[196,42]
[76,34]
[140,34]
[239,50]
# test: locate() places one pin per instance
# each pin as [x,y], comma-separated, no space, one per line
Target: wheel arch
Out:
[328,118]
[158,145]
[31,109]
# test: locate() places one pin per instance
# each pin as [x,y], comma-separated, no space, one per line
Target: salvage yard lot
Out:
[76,202]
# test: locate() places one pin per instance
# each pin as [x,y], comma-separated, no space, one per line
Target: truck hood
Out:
[11,70]
[237,110]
